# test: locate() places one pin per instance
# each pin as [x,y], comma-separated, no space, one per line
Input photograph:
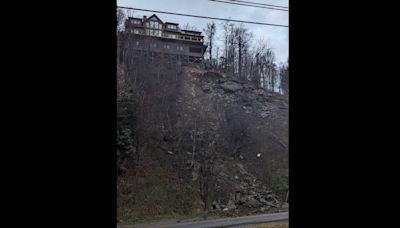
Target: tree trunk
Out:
[240,56]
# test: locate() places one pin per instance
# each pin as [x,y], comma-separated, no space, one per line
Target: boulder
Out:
[206,88]
[231,205]
[265,114]
[215,205]
[212,74]
[259,92]
[251,202]
[231,86]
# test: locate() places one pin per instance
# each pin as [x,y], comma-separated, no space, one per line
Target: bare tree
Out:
[210,33]
[264,71]
[187,26]
[120,19]
[217,59]
[226,36]
[239,37]
[270,68]
[284,78]
[243,38]
[231,49]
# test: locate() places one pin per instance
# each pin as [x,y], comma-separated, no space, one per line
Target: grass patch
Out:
[155,195]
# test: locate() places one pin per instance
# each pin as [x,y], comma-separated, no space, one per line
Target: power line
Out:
[213,18]
[256,3]
[255,6]
[241,4]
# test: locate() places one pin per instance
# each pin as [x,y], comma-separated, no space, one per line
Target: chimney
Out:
[144,18]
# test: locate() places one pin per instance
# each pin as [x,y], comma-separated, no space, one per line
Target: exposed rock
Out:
[271,204]
[251,202]
[206,88]
[259,92]
[270,197]
[263,201]
[264,114]
[247,179]
[213,74]
[231,205]
[260,99]
[215,205]
[231,86]
[238,185]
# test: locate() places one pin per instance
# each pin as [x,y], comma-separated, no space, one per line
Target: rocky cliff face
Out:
[248,130]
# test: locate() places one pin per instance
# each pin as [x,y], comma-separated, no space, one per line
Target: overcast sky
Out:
[277,37]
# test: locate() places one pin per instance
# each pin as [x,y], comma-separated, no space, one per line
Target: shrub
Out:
[280,183]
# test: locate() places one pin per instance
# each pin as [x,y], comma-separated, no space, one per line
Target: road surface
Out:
[223,222]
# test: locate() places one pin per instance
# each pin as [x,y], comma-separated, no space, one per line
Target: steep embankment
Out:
[204,141]
[251,126]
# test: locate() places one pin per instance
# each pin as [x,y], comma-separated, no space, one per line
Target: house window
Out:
[136,22]
[173,36]
[171,26]
[195,49]
[154,24]
[155,29]
[137,43]
[136,31]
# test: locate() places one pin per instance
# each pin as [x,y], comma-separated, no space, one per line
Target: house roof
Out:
[156,17]
[138,18]
[170,23]
[190,31]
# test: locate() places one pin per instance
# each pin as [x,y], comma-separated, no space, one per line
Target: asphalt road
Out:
[223,222]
